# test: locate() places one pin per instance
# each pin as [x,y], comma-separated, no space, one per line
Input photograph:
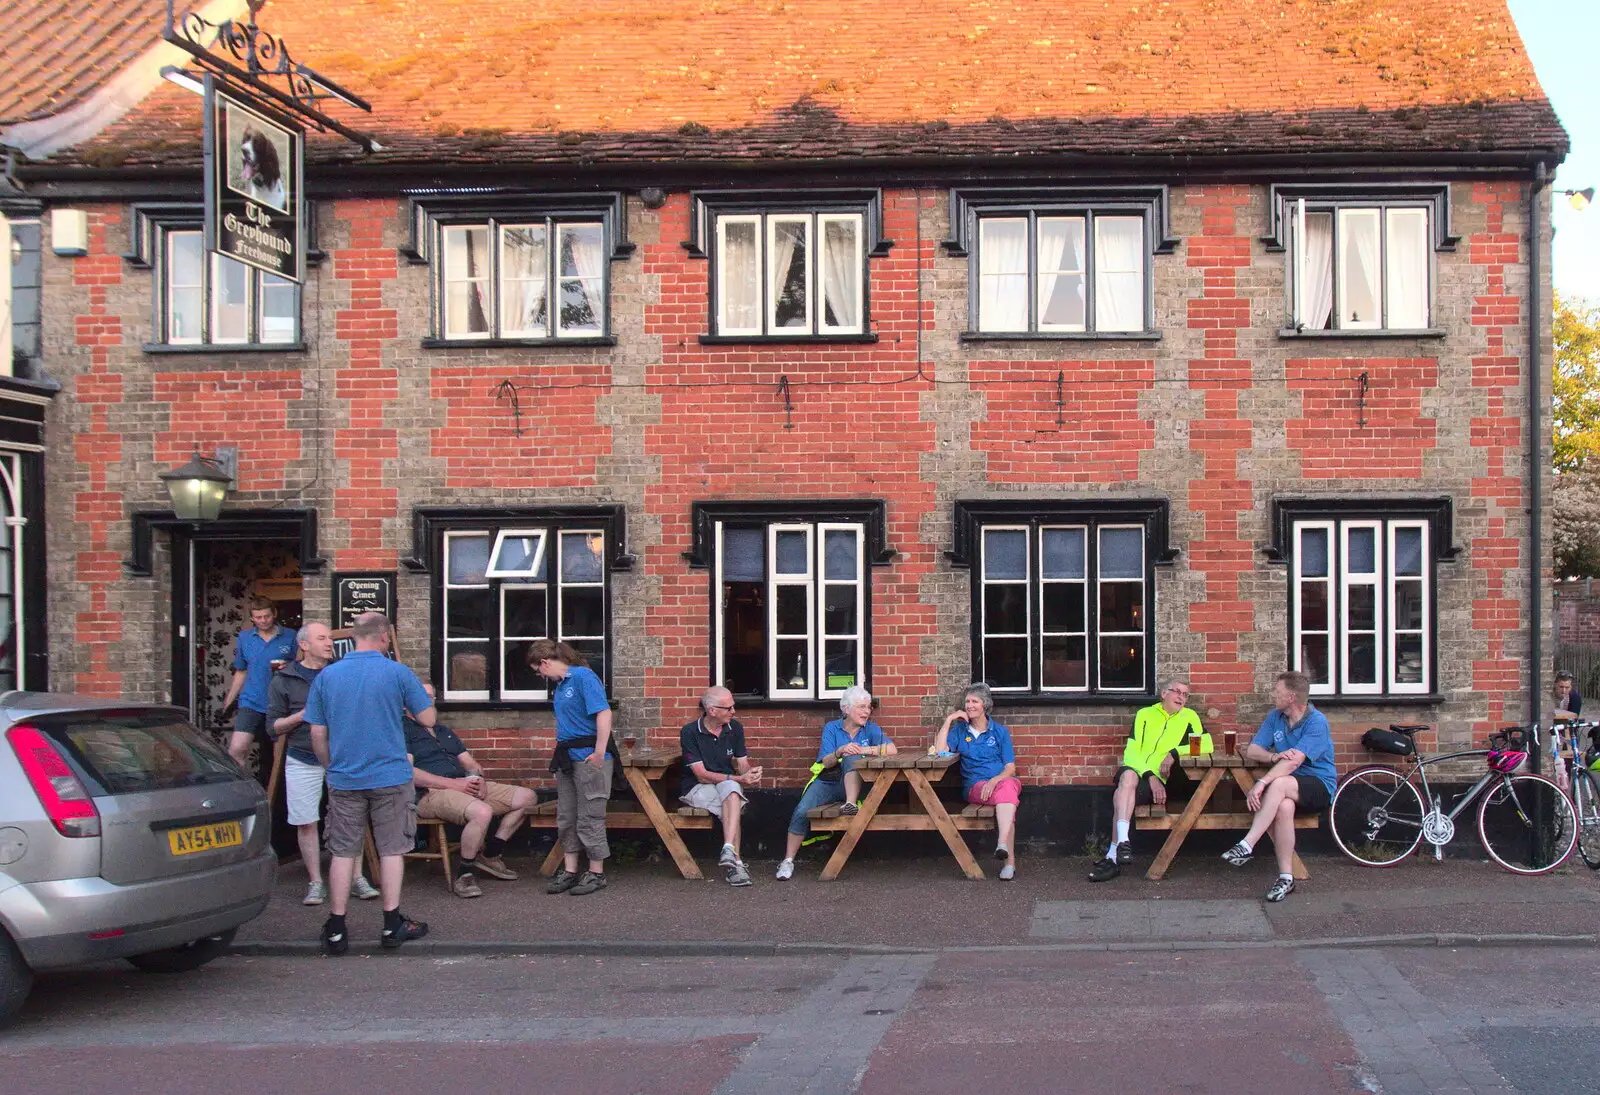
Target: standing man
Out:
[451,787]
[1148,760]
[1294,738]
[716,766]
[1566,694]
[254,653]
[354,710]
[302,772]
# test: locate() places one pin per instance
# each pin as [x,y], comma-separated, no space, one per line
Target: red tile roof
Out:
[55,53]
[510,81]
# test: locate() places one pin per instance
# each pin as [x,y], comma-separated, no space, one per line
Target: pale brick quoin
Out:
[371,435]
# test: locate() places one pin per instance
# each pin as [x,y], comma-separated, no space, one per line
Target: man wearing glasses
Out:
[716,767]
[1148,760]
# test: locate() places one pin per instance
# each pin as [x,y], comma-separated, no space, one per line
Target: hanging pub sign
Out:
[254,167]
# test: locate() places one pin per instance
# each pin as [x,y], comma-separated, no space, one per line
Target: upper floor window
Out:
[21,242]
[504,578]
[519,267]
[539,280]
[1062,594]
[790,274]
[1060,262]
[1361,260]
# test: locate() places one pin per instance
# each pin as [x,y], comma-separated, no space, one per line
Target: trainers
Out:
[850,809]
[316,894]
[466,886]
[1238,855]
[1002,852]
[404,932]
[1105,870]
[1125,852]
[728,856]
[1280,889]
[785,870]
[563,881]
[335,939]
[736,874]
[1008,872]
[363,889]
[588,883]
[495,867]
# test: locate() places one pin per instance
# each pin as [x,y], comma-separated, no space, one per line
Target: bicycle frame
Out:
[1435,805]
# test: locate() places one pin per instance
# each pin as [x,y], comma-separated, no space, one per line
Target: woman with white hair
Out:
[988,766]
[834,780]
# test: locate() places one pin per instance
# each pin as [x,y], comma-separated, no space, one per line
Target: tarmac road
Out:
[1012,1019]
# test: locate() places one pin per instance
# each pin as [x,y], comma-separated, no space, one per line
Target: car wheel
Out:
[15,980]
[182,959]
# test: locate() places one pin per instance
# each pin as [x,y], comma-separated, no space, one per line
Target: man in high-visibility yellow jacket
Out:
[1148,760]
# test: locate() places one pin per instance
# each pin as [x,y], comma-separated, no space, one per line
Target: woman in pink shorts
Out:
[988,766]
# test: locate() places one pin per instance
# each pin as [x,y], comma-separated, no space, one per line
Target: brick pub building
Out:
[803,345]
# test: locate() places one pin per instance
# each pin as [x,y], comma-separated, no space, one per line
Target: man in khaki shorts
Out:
[354,709]
[451,788]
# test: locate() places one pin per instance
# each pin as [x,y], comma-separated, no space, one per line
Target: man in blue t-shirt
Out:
[257,653]
[355,709]
[1295,740]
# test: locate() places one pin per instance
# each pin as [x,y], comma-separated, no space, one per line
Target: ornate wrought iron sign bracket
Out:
[246,55]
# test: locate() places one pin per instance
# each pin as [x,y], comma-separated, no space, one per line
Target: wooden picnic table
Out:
[1196,815]
[925,811]
[643,769]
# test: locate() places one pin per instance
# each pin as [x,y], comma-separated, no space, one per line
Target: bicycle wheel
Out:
[1586,800]
[1377,816]
[1527,824]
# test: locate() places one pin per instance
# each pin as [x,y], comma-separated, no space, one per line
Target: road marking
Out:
[823,1045]
[1412,1047]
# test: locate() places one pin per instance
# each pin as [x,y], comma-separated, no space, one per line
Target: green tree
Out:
[1575,494]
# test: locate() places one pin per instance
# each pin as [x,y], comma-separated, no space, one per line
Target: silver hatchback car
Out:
[124,833]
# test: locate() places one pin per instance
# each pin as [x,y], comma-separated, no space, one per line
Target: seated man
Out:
[1566,695]
[713,747]
[451,787]
[1147,762]
[1294,738]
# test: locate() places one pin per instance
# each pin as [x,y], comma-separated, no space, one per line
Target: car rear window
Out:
[126,752]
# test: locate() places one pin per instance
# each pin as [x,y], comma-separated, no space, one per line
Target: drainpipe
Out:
[1535,459]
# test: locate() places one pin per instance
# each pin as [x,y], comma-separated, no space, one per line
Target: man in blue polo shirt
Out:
[355,710]
[1295,740]
[257,653]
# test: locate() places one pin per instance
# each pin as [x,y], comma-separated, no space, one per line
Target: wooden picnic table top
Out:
[1216,760]
[649,757]
[906,760]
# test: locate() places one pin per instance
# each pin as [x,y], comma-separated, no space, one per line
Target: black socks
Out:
[493,846]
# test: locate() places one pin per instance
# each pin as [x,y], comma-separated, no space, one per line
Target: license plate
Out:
[204,838]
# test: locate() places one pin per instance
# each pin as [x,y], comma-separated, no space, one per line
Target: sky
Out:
[1562,36]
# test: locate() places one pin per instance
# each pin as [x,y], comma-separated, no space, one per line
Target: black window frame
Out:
[1437,513]
[1331,198]
[152,224]
[972,517]
[708,206]
[970,206]
[869,514]
[27,248]
[431,525]
[428,214]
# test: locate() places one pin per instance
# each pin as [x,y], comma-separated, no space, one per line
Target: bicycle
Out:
[1525,821]
[1580,766]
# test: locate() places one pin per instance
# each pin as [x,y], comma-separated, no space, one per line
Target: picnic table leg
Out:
[941,821]
[858,825]
[667,831]
[1180,831]
[1246,781]
[551,861]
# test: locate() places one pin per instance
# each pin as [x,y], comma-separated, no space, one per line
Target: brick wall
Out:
[1220,415]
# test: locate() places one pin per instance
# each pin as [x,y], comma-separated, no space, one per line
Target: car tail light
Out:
[60,792]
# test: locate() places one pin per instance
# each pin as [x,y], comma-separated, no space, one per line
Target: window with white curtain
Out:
[209,299]
[1358,266]
[529,278]
[1044,272]
[1362,605]
[790,274]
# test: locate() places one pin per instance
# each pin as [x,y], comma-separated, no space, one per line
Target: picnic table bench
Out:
[643,770]
[1198,813]
[923,812]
